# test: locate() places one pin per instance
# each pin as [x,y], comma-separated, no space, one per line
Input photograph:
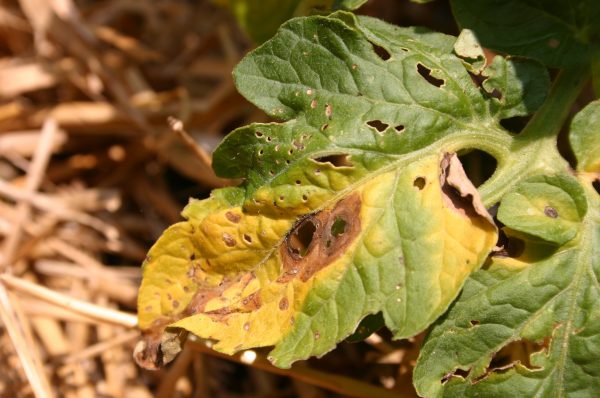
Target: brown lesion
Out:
[318,239]
[459,194]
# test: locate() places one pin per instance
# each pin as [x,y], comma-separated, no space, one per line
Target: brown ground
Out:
[90,175]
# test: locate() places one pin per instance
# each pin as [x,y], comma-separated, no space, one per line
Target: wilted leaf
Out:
[558,33]
[585,138]
[353,206]
[527,325]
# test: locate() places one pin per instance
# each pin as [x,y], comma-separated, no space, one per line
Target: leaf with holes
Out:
[528,324]
[354,205]
[558,33]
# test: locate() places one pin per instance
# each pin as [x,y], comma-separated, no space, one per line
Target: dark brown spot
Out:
[247,238]
[378,125]
[419,182]
[284,304]
[318,239]
[426,73]
[228,239]
[550,212]
[234,218]
[193,256]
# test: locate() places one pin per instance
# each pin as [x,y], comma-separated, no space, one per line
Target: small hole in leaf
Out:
[271,173]
[338,227]
[419,183]
[474,322]
[302,237]
[341,160]
[258,134]
[596,185]
[261,152]
[291,151]
[381,52]
[269,139]
[247,238]
[496,94]
[287,161]
[304,198]
[324,127]
[298,182]
[399,128]
[378,125]
[426,73]
[479,165]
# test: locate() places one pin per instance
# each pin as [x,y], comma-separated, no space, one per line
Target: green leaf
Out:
[548,207]
[558,33]
[527,325]
[585,138]
[469,49]
[261,18]
[519,86]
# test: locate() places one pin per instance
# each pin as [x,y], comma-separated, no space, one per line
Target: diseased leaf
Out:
[548,207]
[519,86]
[527,325]
[585,138]
[261,18]
[558,33]
[354,205]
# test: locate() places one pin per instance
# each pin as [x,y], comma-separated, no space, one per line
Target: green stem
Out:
[534,150]
[549,119]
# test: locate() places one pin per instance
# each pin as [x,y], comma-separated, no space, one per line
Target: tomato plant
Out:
[356,203]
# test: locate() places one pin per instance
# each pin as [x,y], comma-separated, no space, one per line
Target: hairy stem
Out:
[535,150]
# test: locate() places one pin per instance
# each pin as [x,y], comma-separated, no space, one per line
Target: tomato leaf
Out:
[528,324]
[356,204]
[557,33]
